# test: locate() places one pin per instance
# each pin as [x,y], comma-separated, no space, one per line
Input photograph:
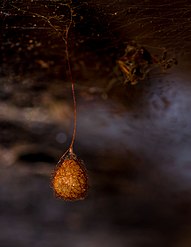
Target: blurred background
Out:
[134,140]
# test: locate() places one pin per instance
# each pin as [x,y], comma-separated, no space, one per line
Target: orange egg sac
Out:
[70,181]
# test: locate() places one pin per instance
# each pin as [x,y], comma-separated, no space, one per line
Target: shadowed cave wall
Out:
[134,140]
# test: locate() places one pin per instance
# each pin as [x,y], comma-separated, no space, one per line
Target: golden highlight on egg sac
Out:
[70,181]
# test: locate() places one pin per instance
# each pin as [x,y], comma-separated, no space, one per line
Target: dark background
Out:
[134,140]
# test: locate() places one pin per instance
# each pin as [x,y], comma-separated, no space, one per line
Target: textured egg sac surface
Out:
[70,180]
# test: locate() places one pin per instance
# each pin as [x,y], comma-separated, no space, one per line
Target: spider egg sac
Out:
[70,181]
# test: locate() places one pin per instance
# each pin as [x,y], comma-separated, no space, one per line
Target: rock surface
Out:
[134,140]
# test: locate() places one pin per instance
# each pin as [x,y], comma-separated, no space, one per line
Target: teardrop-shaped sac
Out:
[70,180]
